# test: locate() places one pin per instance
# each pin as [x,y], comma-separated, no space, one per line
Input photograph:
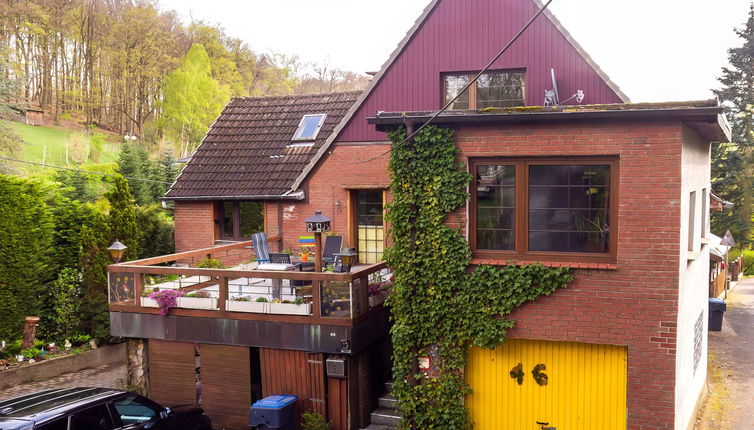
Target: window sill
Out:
[572,264]
[693,255]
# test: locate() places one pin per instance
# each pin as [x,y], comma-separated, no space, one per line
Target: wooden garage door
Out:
[172,372]
[295,372]
[226,385]
[577,386]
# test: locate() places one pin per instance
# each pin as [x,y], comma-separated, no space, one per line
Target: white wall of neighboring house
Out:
[694,284]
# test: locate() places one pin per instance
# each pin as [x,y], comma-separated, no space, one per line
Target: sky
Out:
[654,50]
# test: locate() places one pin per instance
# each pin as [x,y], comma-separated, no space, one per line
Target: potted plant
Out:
[305,252]
[287,307]
[166,299]
[146,300]
[246,304]
[198,300]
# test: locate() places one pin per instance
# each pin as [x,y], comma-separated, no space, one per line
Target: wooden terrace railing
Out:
[291,296]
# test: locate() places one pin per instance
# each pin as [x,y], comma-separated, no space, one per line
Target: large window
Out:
[536,207]
[369,224]
[493,89]
[240,219]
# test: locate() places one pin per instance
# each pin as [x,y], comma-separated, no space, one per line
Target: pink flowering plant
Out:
[166,299]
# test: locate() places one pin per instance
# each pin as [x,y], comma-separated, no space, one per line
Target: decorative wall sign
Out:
[517,373]
[698,333]
[540,377]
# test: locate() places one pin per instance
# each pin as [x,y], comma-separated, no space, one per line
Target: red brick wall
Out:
[194,225]
[327,189]
[634,305]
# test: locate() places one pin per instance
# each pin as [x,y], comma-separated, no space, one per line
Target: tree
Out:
[25,240]
[733,164]
[192,99]
[134,162]
[119,223]
[9,91]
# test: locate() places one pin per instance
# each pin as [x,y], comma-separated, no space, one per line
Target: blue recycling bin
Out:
[273,412]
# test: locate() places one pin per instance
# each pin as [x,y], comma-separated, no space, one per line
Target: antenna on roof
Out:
[552,98]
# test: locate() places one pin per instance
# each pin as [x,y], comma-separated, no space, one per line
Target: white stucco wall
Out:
[694,284]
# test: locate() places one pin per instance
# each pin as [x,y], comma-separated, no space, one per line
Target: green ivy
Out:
[438,305]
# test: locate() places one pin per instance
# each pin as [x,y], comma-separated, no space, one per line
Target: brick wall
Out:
[194,225]
[634,305]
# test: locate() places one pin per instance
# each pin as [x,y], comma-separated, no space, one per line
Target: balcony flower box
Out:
[148,302]
[247,306]
[197,302]
[291,308]
[376,300]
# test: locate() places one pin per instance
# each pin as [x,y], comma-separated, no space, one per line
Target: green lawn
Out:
[49,144]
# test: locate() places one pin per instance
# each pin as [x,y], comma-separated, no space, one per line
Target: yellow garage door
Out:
[569,386]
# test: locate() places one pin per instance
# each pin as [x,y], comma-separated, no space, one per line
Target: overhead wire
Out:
[459,93]
[130,178]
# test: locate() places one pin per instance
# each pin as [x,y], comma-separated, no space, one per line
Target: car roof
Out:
[47,404]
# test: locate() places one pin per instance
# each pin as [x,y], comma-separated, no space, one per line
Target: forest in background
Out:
[129,67]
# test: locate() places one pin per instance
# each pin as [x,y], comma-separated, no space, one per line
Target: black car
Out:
[96,409]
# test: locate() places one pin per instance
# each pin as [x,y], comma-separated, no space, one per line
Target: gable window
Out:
[492,89]
[240,219]
[535,207]
[308,127]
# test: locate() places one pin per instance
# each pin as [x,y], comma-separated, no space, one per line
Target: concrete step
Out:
[388,387]
[385,417]
[378,427]
[387,402]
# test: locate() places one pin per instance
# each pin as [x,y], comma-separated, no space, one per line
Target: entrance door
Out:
[369,225]
[569,386]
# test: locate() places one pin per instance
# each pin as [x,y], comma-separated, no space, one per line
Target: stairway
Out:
[385,417]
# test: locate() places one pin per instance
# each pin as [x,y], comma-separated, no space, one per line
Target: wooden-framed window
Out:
[492,89]
[240,219]
[544,208]
[705,213]
[367,220]
[692,221]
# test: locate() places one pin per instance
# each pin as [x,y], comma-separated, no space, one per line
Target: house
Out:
[618,191]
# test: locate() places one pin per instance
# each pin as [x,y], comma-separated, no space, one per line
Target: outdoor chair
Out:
[261,247]
[332,247]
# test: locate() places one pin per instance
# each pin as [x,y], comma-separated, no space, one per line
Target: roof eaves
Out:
[588,58]
[375,81]
[288,195]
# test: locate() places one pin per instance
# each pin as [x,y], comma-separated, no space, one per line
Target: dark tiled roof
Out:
[246,152]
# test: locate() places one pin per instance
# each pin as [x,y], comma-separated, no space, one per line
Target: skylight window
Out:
[309,127]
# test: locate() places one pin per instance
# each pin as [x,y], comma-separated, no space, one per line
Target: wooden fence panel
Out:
[226,385]
[172,372]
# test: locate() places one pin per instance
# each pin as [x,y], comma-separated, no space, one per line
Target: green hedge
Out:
[748,260]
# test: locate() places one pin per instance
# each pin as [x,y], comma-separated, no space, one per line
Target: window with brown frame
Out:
[492,89]
[543,208]
[240,219]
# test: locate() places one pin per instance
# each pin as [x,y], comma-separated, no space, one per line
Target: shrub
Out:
[262,300]
[31,353]
[201,294]
[748,260]
[313,420]
[80,339]
[210,263]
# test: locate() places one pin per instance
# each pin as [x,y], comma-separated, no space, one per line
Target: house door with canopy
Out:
[368,224]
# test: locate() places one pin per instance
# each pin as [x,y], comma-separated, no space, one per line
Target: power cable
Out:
[450,103]
[84,171]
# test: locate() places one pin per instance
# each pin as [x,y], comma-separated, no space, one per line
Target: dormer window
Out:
[309,127]
[492,89]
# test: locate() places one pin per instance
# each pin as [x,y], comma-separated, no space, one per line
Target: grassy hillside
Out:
[51,144]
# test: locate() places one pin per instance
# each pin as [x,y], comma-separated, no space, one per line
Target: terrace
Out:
[314,311]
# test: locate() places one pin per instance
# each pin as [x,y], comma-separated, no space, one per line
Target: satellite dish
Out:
[552,98]
[555,86]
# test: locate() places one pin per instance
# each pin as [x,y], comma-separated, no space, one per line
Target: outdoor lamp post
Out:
[318,224]
[117,251]
[347,258]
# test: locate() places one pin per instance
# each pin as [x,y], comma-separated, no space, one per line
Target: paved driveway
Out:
[109,376]
[731,366]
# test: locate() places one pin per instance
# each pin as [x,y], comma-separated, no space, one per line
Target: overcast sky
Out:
[655,50]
